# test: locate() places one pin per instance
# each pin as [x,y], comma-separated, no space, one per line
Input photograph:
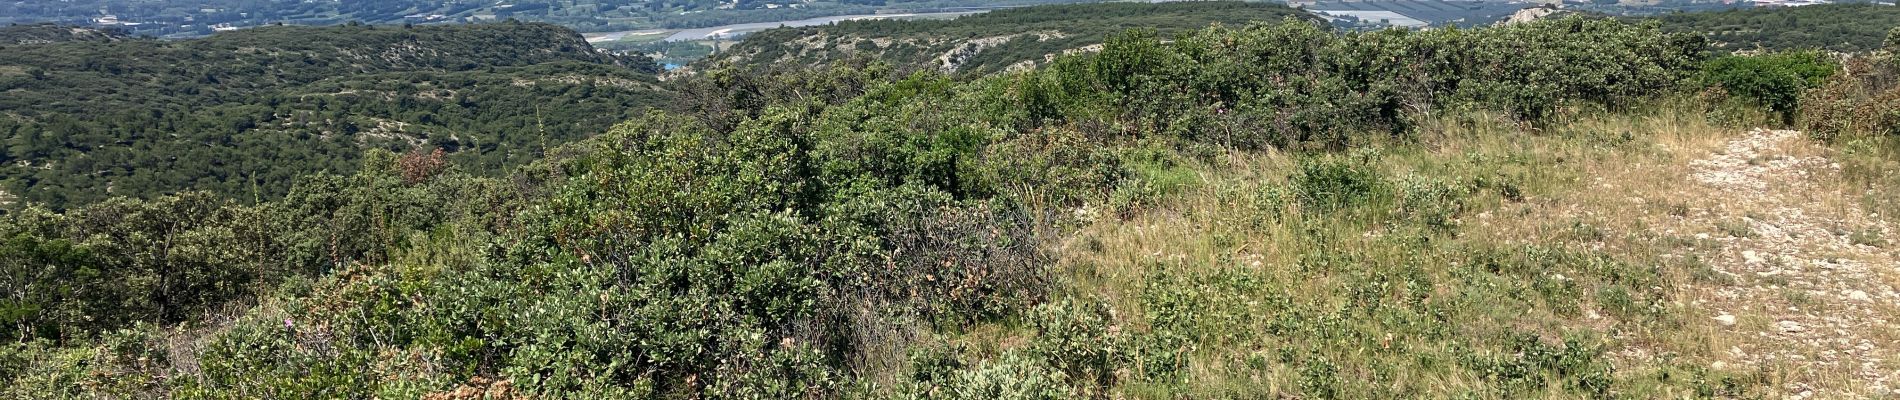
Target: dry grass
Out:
[1601,188]
[1587,259]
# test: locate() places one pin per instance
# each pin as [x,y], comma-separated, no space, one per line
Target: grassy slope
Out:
[1483,259]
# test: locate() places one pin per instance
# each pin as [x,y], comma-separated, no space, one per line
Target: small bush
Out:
[1076,337]
[935,363]
[1155,175]
[960,263]
[1866,237]
[1014,376]
[1319,378]
[1332,183]
[1431,202]
[1863,101]
[1530,363]
[1892,44]
[1055,165]
[1736,228]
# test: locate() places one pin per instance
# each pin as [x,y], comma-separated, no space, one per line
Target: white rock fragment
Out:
[1791,327]
[1859,296]
[1725,319]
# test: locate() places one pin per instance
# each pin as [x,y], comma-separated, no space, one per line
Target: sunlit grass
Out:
[1537,281]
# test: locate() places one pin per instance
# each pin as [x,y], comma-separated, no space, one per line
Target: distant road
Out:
[736,30]
[612,36]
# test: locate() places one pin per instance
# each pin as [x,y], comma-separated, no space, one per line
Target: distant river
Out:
[736,30]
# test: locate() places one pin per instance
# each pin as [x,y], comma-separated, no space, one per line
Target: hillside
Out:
[187,18]
[242,113]
[989,42]
[50,33]
[1573,207]
[1837,27]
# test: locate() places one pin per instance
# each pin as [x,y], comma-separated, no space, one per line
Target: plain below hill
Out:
[92,114]
[989,42]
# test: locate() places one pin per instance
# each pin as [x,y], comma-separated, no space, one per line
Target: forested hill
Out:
[1837,27]
[241,113]
[992,41]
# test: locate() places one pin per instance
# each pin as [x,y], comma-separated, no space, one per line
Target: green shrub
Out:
[1431,202]
[1892,44]
[1013,376]
[1863,101]
[42,370]
[1332,183]
[934,363]
[1155,175]
[1056,165]
[1319,377]
[1773,80]
[1077,338]
[946,261]
[1528,363]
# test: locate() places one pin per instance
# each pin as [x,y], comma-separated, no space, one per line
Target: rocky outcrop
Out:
[1533,14]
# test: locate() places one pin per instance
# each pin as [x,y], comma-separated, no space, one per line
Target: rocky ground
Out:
[1811,274]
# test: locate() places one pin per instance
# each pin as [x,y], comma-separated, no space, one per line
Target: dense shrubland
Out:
[852,231]
[1834,27]
[243,113]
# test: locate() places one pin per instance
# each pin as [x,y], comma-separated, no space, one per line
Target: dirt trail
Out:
[1812,273]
